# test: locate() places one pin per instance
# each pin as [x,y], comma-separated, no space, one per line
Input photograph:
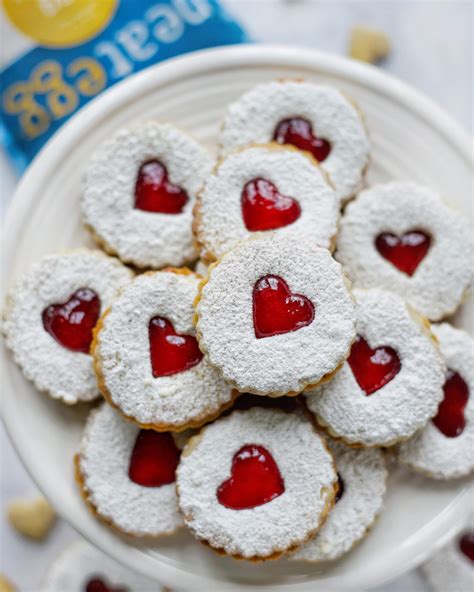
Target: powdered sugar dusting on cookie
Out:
[80,562]
[104,459]
[285,362]
[64,374]
[219,221]
[305,466]
[147,239]
[252,119]
[405,403]
[363,474]
[123,354]
[430,451]
[441,279]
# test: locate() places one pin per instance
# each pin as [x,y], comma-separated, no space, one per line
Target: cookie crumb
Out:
[6,585]
[31,517]
[368,44]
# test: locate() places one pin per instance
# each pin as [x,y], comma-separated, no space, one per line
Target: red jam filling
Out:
[71,323]
[405,252]
[373,368]
[299,132]
[450,419]
[265,208]
[277,310]
[97,584]
[466,544]
[154,459]
[171,352]
[341,488]
[155,193]
[255,480]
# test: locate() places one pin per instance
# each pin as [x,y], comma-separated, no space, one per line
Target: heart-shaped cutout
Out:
[277,310]
[155,193]
[71,322]
[299,132]
[154,459]
[450,419]
[171,352]
[255,479]
[466,544]
[265,208]
[405,252]
[97,584]
[373,368]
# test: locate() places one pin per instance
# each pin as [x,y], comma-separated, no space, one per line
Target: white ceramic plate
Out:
[412,139]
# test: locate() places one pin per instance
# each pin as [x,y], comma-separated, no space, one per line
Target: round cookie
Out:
[50,315]
[274,315]
[443,449]
[83,568]
[127,475]
[362,476]
[261,189]
[452,568]
[392,382]
[403,238]
[147,360]
[256,483]
[139,194]
[316,118]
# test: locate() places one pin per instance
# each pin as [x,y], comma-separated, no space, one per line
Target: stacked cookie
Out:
[254,399]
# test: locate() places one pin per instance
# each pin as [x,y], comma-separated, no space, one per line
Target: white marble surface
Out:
[432,49]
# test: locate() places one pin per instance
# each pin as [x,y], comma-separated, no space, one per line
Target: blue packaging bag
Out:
[60,71]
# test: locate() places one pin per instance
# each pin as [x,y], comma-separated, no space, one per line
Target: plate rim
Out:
[193,64]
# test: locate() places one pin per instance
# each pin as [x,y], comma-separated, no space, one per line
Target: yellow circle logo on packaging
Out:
[60,23]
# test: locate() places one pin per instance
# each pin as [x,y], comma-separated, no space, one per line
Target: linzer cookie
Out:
[362,476]
[261,189]
[315,118]
[127,475]
[50,315]
[392,382]
[402,237]
[83,568]
[139,194]
[275,315]
[148,361]
[443,449]
[452,568]
[256,484]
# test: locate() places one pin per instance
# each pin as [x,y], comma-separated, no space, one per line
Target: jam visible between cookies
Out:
[277,310]
[405,252]
[71,322]
[155,193]
[255,480]
[265,208]
[97,584]
[466,544]
[171,352]
[299,132]
[373,368]
[154,459]
[450,419]
[340,488]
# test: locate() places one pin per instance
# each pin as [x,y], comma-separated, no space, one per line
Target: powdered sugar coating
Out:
[80,562]
[443,276]
[430,451]
[64,374]
[252,119]
[282,363]
[403,405]
[104,459]
[363,473]
[450,570]
[123,356]
[304,464]
[146,239]
[201,268]
[219,221]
